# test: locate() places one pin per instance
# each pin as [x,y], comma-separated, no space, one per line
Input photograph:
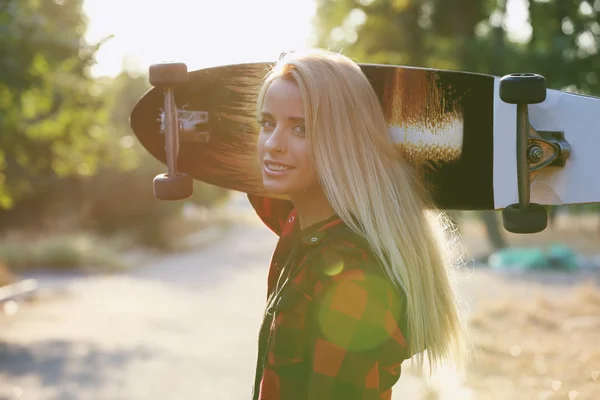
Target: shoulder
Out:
[274,213]
[347,264]
[342,246]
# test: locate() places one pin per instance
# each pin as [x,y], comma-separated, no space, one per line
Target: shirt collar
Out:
[314,234]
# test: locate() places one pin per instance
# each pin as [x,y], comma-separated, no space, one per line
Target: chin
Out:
[275,187]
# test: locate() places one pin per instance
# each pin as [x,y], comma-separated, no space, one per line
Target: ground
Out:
[185,326]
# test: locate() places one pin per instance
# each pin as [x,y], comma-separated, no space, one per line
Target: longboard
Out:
[451,126]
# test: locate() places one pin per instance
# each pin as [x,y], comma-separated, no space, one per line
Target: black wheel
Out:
[168,74]
[523,89]
[529,220]
[173,187]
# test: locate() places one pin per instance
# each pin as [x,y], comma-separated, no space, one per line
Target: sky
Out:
[204,33]
[201,33]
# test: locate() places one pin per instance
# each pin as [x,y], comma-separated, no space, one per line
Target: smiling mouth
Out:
[277,167]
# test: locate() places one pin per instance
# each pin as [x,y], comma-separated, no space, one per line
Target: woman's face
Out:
[282,145]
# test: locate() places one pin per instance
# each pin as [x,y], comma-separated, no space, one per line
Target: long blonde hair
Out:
[377,195]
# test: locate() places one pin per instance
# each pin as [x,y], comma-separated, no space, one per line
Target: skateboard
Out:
[476,141]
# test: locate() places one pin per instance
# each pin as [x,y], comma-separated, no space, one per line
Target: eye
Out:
[300,129]
[266,124]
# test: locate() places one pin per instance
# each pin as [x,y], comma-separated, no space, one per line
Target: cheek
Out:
[260,146]
[307,166]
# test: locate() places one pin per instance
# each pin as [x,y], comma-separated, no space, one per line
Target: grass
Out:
[86,251]
[546,348]
[537,346]
[76,251]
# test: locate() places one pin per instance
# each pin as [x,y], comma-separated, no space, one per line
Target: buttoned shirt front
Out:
[334,325]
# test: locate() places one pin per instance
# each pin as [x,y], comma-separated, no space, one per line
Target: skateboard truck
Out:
[535,150]
[190,126]
[173,185]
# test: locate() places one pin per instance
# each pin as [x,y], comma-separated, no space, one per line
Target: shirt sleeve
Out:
[356,344]
[273,212]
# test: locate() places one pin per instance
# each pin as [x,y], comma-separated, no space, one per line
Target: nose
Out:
[276,141]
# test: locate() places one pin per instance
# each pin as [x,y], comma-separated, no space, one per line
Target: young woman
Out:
[359,278]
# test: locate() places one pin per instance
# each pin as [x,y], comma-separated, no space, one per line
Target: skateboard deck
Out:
[451,126]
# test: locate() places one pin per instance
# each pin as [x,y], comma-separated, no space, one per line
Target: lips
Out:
[275,169]
[276,164]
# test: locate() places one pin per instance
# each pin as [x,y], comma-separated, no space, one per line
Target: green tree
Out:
[53,118]
[469,35]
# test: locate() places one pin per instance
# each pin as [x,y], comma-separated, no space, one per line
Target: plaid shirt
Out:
[333,325]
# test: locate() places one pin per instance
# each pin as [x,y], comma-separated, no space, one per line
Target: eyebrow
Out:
[291,119]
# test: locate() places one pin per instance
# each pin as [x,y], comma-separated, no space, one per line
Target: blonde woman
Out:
[359,278]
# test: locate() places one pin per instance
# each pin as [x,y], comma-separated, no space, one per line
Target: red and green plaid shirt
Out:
[334,329]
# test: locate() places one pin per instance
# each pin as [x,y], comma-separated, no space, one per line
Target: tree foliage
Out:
[558,38]
[53,117]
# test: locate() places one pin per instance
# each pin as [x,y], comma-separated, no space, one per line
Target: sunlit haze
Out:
[204,33]
[201,33]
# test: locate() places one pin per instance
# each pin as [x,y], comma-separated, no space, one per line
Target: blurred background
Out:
[108,293]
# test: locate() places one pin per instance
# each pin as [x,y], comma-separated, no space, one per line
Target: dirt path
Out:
[181,327]
[166,330]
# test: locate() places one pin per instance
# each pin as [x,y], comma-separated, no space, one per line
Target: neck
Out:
[312,208]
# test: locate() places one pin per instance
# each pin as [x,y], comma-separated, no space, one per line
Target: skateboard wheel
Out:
[529,220]
[523,88]
[173,187]
[168,74]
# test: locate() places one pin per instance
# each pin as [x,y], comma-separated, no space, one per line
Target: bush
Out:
[64,252]
[6,276]
[112,201]
[117,201]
